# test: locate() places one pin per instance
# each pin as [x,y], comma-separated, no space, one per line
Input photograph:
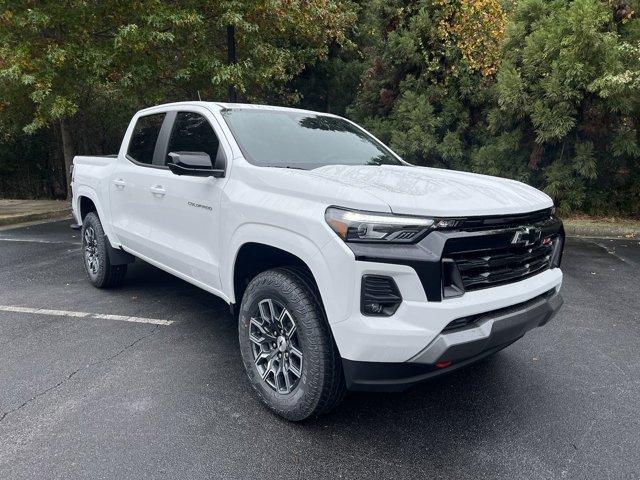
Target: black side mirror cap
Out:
[195,164]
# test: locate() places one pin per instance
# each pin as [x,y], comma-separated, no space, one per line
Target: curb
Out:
[573,229]
[33,217]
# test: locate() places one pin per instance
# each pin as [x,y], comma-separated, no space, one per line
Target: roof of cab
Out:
[230,106]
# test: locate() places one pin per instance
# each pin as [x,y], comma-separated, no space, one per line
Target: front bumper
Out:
[451,350]
[418,322]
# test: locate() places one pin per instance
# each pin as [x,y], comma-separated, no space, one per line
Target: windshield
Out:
[289,139]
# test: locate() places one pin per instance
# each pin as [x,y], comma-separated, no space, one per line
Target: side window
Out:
[193,133]
[144,138]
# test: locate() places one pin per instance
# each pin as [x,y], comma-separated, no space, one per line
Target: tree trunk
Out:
[231,59]
[68,152]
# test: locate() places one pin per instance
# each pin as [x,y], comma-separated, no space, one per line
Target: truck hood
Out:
[437,192]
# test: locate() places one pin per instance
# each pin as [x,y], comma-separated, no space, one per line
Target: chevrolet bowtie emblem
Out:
[526,236]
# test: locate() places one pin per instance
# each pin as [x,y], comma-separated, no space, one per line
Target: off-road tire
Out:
[321,386]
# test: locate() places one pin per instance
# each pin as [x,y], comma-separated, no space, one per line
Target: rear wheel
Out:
[96,256]
[287,348]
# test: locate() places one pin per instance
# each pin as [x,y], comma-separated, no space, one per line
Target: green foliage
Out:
[543,91]
[426,87]
[62,54]
[569,81]
[65,63]
[560,110]
[28,169]
[331,84]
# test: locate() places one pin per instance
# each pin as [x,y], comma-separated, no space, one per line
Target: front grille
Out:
[490,268]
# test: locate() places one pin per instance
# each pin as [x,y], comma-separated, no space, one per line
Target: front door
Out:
[184,221]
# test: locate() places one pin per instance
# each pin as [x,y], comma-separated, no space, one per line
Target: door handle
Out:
[158,191]
[119,183]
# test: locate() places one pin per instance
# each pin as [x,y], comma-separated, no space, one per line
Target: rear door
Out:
[131,201]
[185,218]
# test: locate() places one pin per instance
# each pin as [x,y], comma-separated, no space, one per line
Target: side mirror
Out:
[195,164]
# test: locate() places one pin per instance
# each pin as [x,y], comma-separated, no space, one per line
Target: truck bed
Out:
[92,171]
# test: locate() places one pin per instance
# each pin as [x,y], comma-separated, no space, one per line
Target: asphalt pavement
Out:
[146,382]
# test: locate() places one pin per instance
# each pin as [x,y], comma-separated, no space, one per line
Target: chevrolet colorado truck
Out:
[348,268]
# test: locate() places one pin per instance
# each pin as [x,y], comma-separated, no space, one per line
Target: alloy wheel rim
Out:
[91,251]
[275,346]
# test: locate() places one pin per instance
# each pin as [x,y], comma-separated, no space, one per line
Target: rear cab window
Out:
[144,138]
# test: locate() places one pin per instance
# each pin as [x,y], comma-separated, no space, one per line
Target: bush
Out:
[568,92]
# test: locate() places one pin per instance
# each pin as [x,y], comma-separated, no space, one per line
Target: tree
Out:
[68,64]
[568,103]
[427,85]
[331,84]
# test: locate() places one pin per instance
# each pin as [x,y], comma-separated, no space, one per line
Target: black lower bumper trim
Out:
[396,377]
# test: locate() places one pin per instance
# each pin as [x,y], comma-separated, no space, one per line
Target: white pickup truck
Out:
[348,267]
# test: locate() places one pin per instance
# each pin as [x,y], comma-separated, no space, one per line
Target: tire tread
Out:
[113,275]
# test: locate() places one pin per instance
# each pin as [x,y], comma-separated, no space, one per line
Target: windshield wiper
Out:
[285,166]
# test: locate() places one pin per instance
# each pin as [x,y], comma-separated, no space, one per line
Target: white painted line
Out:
[37,240]
[98,316]
[60,313]
[132,319]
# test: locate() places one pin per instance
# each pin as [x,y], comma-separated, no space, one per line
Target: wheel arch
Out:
[86,206]
[276,247]
[253,258]
[87,201]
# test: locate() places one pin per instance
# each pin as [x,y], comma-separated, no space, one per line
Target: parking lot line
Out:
[39,240]
[98,316]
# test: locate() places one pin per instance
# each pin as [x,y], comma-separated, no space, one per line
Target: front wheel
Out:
[97,265]
[287,349]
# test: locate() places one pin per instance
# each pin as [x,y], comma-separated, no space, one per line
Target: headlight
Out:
[359,226]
